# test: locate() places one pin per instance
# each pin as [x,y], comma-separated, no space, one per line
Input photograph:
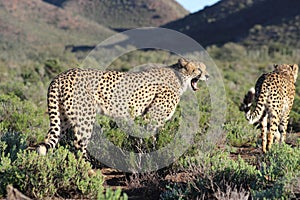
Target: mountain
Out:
[33,30]
[250,22]
[125,14]
[36,30]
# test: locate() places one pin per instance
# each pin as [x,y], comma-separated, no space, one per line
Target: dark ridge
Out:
[236,21]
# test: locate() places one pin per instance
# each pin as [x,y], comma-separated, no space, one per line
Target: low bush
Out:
[280,173]
[215,175]
[21,117]
[59,174]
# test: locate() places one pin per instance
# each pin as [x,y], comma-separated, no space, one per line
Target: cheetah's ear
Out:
[275,66]
[183,62]
[294,66]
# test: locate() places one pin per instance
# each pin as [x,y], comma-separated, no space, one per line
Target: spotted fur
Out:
[76,95]
[274,96]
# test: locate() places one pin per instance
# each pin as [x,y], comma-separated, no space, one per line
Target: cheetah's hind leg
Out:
[283,128]
[273,132]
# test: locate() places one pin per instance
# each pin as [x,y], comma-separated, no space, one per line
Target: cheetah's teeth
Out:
[194,84]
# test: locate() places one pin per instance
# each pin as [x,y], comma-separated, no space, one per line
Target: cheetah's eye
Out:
[197,70]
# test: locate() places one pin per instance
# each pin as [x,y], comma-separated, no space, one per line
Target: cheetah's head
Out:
[193,71]
[290,71]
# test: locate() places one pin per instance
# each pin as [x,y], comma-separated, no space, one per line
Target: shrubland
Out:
[215,174]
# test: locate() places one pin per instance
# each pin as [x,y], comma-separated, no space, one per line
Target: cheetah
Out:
[274,94]
[75,96]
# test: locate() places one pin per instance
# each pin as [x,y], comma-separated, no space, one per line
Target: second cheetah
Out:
[274,96]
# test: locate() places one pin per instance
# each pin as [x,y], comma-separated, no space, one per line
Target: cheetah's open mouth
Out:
[194,82]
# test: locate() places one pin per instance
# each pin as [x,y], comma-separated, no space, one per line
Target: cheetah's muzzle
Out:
[194,82]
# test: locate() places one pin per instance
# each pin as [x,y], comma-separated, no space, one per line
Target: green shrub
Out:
[228,52]
[112,195]
[213,173]
[15,88]
[58,173]
[216,173]
[280,161]
[280,168]
[175,191]
[21,117]
[240,134]
[11,144]
[53,67]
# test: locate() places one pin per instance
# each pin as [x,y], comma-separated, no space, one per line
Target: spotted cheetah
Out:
[75,96]
[274,96]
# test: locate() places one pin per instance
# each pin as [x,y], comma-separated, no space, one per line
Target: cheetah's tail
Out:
[54,132]
[247,102]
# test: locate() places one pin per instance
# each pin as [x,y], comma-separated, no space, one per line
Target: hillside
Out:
[250,22]
[35,30]
[125,14]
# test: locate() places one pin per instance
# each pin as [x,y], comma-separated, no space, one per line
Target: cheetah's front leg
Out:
[84,127]
[283,127]
[161,108]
